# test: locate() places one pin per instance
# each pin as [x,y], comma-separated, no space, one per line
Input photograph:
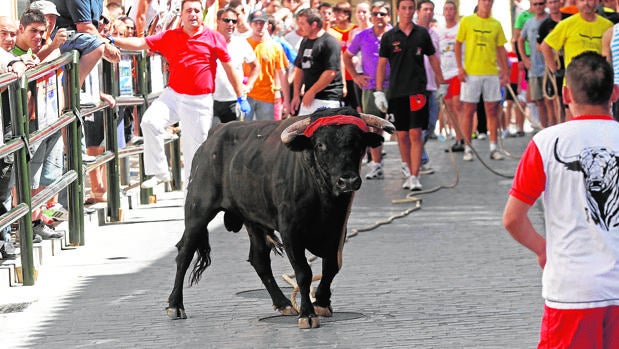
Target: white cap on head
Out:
[45,6]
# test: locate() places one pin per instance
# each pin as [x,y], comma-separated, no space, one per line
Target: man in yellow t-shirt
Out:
[580,32]
[482,69]
[272,83]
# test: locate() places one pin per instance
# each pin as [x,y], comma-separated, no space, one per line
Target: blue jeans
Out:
[260,110]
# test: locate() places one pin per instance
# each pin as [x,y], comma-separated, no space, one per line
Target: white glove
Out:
[442,91]
[381,101]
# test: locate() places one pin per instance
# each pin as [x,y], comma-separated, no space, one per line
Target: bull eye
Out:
[321,146]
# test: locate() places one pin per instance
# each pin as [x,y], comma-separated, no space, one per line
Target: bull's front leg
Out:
[330,268]
[303,273]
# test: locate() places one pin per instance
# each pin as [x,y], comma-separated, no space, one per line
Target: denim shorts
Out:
[84,43]
[46,164]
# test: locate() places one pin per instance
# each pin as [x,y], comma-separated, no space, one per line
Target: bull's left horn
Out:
[294,130]
[375,121]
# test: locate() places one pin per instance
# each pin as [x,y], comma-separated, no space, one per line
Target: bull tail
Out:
[203,250]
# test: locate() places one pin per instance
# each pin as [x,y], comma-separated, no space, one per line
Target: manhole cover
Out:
[13,308]
[292,320]
[263,293]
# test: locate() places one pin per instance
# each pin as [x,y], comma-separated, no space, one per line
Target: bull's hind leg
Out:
[195,238]
[261,261]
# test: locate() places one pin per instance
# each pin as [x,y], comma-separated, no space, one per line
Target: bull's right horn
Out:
[375,121]
[294,130]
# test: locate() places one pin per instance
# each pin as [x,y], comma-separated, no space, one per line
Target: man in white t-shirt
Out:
[575,165]
[449,67]
[224,98]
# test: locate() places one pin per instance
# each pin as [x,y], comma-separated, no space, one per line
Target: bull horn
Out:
[294,130]
[375,121]
[572,165]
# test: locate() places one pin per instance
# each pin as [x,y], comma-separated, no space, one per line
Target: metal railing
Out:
[70,119]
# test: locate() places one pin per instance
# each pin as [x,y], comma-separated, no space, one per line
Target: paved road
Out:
[445,276]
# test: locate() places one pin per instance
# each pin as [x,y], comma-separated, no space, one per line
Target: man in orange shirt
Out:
[272,82]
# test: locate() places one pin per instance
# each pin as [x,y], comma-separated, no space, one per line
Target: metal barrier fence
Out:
[63,71]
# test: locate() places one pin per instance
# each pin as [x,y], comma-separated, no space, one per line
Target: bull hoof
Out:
[288,310]
[323,311]
[176,313]
[309,322]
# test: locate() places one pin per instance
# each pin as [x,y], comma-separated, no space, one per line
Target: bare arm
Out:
[140,18]
[296,89]
[359,79]
[380,73]
[131,43]
[459,62]
[235,79]
[254,70]
[518,224]
[435,63]
[549,56]
[606,44]
[323,81]
[501,55]
[525,59]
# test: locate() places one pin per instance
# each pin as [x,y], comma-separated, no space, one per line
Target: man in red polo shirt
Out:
[191,51]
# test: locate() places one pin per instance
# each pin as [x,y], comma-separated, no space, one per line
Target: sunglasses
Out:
[380,14]
[538,4]
[228,20]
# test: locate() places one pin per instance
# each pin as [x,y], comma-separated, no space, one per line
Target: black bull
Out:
[271,176]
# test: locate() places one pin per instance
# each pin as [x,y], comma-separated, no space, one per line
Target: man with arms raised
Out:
[192,51]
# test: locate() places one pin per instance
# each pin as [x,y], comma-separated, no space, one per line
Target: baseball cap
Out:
[47,7]
[258,15]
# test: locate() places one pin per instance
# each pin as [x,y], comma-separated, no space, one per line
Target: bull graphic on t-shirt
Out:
[600,168]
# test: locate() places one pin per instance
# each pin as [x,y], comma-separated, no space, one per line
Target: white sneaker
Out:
[415,184]
[426,170]
[154,181]
[481,136]
[405,171]
[376,171]
[468,155]
[408,184]
[496,155]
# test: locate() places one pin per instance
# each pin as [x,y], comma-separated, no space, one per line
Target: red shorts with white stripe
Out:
[580,328]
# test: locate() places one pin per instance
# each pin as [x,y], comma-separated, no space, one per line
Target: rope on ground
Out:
[459,130]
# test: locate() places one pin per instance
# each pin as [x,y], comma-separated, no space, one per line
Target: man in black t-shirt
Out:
[317,66]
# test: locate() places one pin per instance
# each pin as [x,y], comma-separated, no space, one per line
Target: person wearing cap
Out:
[192,51]
[271,84]
[49,45]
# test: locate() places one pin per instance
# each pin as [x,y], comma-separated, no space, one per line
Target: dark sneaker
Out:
[8,251]
[456,147]
[45,232]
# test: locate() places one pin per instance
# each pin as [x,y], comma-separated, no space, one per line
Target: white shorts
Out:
[476,86]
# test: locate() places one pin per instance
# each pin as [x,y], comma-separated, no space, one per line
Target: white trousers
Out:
[195,114]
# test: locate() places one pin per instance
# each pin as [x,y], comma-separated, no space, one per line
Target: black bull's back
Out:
[248,173]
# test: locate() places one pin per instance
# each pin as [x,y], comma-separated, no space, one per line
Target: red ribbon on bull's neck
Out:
[335,120]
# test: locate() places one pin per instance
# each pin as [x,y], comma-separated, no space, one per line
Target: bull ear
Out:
[299,143]
[372,139]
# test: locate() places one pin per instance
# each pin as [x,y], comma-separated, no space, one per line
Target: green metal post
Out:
[17,95]
[143,83]
[111,144]
[74,155]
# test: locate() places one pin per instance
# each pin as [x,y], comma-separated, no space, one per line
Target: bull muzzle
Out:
[346,184]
